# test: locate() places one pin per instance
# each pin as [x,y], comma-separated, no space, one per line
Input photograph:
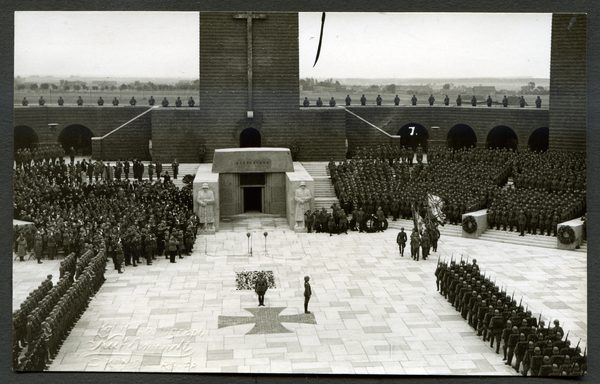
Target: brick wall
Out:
[481,119]
[568,82]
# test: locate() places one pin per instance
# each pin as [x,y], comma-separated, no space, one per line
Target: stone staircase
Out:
[489,235]
[542,241]
[324,193]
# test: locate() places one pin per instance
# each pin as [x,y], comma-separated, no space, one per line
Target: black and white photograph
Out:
[344,193]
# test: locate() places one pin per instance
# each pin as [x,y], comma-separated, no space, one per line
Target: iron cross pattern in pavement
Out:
[266,320]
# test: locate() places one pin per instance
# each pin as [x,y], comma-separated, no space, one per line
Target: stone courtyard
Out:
[373,312]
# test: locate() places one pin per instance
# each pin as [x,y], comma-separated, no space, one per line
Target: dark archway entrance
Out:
[78,137]
[249,138]
[539,139]
[502,137]
[461,136]
[252,199]
[25,137]
[411,135]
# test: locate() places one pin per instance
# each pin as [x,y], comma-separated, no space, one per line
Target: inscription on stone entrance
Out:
[252,160]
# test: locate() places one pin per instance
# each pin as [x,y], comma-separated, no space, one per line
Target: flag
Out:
[434,208]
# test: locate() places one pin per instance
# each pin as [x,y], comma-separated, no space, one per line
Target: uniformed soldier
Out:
[431,99]
[319,102]
[132,101]
[191,102]
[306,103]
[396,100]
[151,100]
[378,100]
[363,100]
[100,101]
[505,101]
[497,324]
[414,100]
[332,102]
[165,102]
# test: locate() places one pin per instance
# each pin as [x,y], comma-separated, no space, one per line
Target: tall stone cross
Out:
[249,17]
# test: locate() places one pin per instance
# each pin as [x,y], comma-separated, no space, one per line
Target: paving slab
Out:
[373,312]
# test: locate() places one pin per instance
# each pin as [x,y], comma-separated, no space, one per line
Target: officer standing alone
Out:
[307,293]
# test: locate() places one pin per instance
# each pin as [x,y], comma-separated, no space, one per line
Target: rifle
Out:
[567,337]
[526,308]
[539,319]
[577,345]
[550,322]
[461,256]
[438,263]
[512,298]
[521,302]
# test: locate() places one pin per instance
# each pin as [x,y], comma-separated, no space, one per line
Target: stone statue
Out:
[206,199]
[303,198]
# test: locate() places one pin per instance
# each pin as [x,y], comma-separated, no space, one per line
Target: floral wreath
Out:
[566,234]
[469,224]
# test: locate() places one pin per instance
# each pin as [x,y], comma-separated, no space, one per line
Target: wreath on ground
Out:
[566,234]
[246,280]
[469,224]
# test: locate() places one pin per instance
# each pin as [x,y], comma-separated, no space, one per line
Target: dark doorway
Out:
[252,199]
[25,137]
[502,137]
[539,139]
[77,136]
[411,135]
[249,138]
[461,136]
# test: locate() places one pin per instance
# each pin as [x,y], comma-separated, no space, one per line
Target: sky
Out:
[355,45]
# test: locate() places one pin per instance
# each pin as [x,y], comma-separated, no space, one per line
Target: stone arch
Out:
[411,137]
[77,136]
[502,136]
[461,136]
[25,137]
[539,139]
[249,138]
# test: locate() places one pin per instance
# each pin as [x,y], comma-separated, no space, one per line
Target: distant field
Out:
[92,97]
[388,98]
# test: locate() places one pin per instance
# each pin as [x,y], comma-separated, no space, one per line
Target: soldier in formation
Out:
[498,317]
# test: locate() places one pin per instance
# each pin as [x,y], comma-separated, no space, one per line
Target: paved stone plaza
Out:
[373,312]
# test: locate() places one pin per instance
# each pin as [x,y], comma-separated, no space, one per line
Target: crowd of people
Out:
[538,350]
[466,180]
[41,324]
[337,221]
[142,217]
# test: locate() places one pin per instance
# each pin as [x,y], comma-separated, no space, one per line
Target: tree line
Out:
[65,85]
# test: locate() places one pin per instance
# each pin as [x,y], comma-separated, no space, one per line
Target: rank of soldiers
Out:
[498,318]
[37,339]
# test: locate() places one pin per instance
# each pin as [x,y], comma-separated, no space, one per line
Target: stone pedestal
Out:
[577,226]
[480,219]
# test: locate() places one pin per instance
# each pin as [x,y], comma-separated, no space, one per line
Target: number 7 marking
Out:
[412,130]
